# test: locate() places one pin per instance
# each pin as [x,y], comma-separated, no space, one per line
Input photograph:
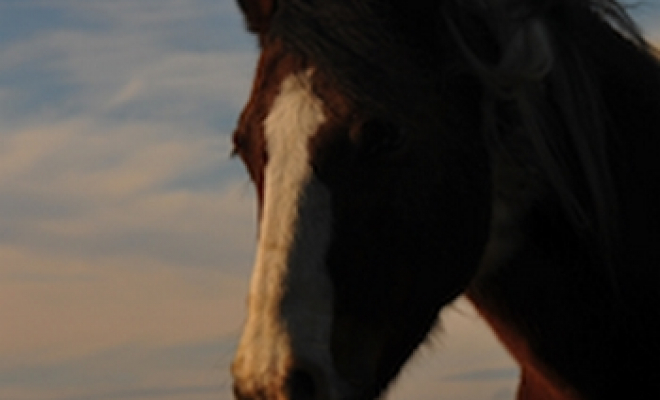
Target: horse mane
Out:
[546,84]
[537,60]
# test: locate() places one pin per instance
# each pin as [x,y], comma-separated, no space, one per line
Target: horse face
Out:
[369,223]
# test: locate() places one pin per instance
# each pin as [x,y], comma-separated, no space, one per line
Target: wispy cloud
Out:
[167,60]
[184,371]
[122,189]
[125,230]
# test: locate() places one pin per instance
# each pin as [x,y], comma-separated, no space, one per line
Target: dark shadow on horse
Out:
[407,152]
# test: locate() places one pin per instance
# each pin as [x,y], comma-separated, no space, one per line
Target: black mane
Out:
[544,66]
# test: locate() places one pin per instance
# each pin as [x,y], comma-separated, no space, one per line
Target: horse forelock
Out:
[363,48]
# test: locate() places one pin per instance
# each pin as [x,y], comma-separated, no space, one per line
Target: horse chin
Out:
[366,360]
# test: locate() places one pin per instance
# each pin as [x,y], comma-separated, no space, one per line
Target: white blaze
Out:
[290,299]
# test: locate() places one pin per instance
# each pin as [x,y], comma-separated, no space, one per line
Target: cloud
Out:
[73,306]
[183,392]
[185,371]
[168,60]
[126,232]
[131,156]
[128,189]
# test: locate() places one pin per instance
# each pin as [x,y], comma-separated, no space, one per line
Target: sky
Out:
[126,230]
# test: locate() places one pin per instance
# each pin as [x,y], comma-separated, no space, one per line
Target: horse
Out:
[405,153]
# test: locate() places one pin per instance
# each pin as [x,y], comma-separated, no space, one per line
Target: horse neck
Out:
[623,91]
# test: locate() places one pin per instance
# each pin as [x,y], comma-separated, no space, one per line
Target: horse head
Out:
[406,152]
[363,137]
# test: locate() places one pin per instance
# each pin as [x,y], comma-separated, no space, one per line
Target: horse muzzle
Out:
[301,380]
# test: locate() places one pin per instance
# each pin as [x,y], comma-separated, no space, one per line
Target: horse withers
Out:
[405,153]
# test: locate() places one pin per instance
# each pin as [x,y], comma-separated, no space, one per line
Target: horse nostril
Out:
[238,394]
[301,385]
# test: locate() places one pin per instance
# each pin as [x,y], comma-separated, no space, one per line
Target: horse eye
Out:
[380,137]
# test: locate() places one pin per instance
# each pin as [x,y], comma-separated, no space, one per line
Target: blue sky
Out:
[126,232]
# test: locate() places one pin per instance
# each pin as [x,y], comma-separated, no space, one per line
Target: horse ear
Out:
[258,14]
[528,52]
